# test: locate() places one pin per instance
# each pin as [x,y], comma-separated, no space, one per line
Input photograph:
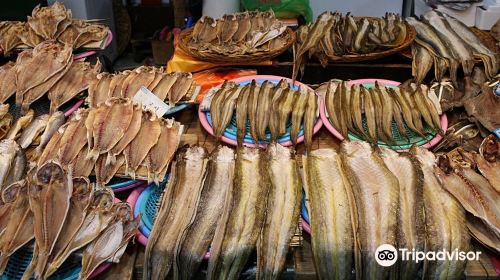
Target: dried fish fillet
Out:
[376,192]
[242,114]
[116,83]
[33,130]
[234,243]
[285,108]
[105,172]
[488,160]
[332,224]
[263,109]
[81,166]
[162,89]
[110,124]
[283,206]
[198,236]
[19,125]
[177,208]
[74,138]
[130,133]
[139,77]
[180,88]
[276,93]
[45,21]
[146,138]
[8,149]
[7,81]
[51,151]
[299,108]
[227,111]
[99,89]
[55,121]
[161,154]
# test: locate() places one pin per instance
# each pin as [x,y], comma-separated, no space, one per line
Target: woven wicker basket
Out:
[222,58]
[410,36]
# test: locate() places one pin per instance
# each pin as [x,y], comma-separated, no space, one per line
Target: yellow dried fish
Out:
[299,108]
[310,119]
[105,172]
[130,133]
[19,125]
[263,109]
[74,138]
[277,93]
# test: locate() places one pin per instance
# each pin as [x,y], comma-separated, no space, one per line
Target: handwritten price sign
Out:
[150,102]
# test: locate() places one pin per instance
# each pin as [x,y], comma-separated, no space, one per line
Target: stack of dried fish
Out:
[52,23]
[116,137]
[445,42]
[232,204]
[266,106]
[347,107]
[237,34]
[361,197]
[172,87]
[47,69]
[478,194]
[333,35]
[84,219]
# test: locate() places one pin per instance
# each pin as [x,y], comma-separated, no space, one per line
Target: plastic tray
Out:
[402,144]
[230,137]
[126,185]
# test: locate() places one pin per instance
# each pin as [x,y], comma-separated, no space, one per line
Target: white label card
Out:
[150,102]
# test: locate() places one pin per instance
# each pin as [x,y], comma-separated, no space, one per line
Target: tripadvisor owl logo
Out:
[387,255]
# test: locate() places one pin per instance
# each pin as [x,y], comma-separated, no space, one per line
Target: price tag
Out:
[150,102]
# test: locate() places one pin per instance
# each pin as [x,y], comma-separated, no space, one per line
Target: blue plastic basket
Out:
[147,205]
[20,260]
[178,108]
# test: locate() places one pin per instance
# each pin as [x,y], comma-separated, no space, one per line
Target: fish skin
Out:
[488,160]
[161,154]
[7,81]
[146,138]
[377,202]
[33,130]
[278,91]
[263,109]
[178,206]
[99,89]
[51,188]
[411,222]
[17,169]
[387,112]
[252,110]
[8,196]
[130,133]
[19,125]
[472,190]
[332,224]
[99,215]
[74,81]
[55,121]
[198,236]
[74,137]
[370,115]
[110,125]
[242,114]
[421,63]
[309,119]
[20,231]
[283,206]
[162,89]
[227,111]
[299,108]
[285,108]
[80,200]
[444,221]
[8,150]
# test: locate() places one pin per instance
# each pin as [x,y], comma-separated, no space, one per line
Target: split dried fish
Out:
[285,108]
[237,238]
[19,125]
[130,134]
[51,151]
[33,130]
[310,119]
[263,109]
[116,83]
[18,168]
[332,224]
[55,121]
[488,160]
[277,93]
[376,193]
[8,150]
[253,104]
[162,89]
[99,89]
[139,147]
[444,221]
[45,21]
[160,155]
[74,137]
[299,108]
[283,206]
[180,88]
[242,114]
[216,104]
[198,236]
[7,81]
[105,172]
[177,208]
[81,166]
[143,77]
[227,110]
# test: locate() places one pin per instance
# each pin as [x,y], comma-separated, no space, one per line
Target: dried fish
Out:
[371,118]
[116,83]
[8,150]
[130,134]
[217,103]
[18,168]
[283,206]
[299,108]
[386,110]
[5,125]
[33,130]
[99,89]
[277,93]
[180,88]
[143,77]
[81,166]
[263,109]
[46,21]
[332,224]
[226,28]
[198,236]
[368,175]
[488,160]
[74,137]
[227,111]
[19,125]
[177,208]
[7,81]
[160,155]
[242,114]
[310,119]
[55,121]
[285,108]
[422,62]
[105,172]
[162,89]
[110,125]
[253,105]
[139,147]
[51,151]
[235,241]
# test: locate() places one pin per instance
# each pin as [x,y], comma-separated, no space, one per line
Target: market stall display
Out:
[54,22]
[382,112]
[274,109]
[115,138]
[247,36]
[334,37]
[447,43]
[83,217]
